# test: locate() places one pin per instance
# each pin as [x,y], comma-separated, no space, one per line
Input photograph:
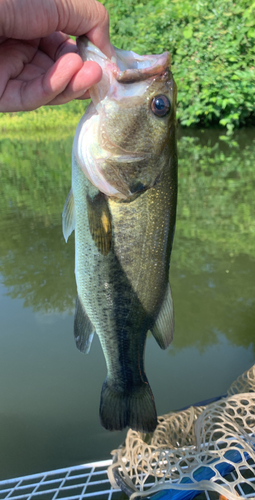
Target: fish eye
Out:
[160,105]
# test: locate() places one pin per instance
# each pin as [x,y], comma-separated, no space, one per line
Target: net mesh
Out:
[204,449]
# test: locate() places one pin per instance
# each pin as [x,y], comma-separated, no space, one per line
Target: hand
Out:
[39,63]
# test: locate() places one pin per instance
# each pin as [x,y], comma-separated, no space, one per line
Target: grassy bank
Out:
[212,44]
[56,119]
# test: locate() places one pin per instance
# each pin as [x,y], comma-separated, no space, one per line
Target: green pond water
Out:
[49,391]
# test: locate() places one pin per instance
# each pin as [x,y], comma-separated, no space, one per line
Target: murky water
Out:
[49,391]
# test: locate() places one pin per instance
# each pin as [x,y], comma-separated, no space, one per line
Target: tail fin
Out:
[135,408]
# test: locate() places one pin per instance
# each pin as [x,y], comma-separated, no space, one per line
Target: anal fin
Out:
[163,328]
[100,222]
[83,328]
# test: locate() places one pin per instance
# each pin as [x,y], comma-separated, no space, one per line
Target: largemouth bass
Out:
[122,206]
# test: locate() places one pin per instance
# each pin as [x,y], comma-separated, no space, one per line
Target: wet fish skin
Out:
[123,245]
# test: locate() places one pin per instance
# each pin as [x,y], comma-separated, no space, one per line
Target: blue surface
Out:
[204,472]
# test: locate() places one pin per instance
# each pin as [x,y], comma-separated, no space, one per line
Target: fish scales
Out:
[123,243]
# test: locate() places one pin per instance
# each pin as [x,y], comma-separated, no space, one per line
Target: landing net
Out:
[201,449]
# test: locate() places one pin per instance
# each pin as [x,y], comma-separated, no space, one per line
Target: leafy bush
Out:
[212,47]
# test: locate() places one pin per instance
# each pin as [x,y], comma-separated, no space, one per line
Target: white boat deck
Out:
[72,483]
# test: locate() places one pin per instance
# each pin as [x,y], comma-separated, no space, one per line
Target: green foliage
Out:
[212,43]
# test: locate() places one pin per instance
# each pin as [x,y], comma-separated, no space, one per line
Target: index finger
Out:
[88,18]
[94,23]
[99,34]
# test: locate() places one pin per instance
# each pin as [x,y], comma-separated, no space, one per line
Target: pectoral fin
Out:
[163,328]
[68,216]
[100,222]
[83,328]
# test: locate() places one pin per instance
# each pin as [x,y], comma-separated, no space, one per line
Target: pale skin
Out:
[39,64]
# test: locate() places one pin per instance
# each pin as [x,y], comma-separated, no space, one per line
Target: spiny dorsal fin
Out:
[68,216]
[100,222]
[163,328]
[83,328]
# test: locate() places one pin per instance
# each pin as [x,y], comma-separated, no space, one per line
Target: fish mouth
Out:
[139,68]
[126,66]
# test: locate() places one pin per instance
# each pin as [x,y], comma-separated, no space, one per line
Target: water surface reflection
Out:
[49,391]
